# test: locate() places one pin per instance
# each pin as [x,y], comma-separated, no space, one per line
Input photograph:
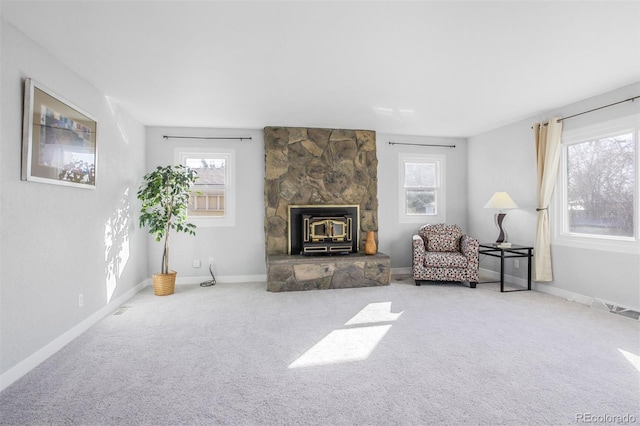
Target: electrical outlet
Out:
[80,300]
[517,263]
[197,263]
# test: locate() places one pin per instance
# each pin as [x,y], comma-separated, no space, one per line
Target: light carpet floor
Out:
[235,354]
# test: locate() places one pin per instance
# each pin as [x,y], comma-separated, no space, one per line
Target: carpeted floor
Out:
[235,354]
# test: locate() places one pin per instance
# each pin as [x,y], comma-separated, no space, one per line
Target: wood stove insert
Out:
[323,229]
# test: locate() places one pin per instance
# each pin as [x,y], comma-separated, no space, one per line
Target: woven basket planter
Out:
[164,284]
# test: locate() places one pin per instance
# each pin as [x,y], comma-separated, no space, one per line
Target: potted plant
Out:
[164,193]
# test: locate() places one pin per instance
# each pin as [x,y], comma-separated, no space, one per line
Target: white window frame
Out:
[229,218]
[559,222]
[440,189]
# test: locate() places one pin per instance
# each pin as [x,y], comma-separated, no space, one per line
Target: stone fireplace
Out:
[320,169]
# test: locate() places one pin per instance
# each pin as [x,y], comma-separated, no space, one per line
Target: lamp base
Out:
[502,237]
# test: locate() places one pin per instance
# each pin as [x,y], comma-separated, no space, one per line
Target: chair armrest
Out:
[469,246]
[419,245]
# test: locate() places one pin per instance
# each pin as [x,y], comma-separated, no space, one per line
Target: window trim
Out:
[440,161]
[229,218]
[559,223]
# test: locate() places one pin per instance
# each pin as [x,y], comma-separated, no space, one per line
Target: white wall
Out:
[395,237]
[504,160]
[239,250]
[53,241]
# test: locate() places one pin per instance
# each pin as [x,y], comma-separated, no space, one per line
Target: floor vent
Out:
[121,310]
[615,309]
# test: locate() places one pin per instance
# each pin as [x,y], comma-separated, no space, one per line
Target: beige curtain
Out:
[547,138]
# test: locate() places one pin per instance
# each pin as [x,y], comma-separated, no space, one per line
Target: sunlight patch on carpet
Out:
[346,345]
[632,358]
[353,343]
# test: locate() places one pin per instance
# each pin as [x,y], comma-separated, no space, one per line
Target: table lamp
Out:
[502,202]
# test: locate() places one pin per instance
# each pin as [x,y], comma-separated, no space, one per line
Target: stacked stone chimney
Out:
[311,166]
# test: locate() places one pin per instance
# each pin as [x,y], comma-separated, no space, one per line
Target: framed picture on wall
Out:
[58,140]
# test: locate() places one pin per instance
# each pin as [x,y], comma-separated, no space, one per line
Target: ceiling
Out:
[431,68]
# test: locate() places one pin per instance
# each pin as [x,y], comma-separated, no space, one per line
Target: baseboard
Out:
[565,294]
[31,362]
[222,279]
[401,271]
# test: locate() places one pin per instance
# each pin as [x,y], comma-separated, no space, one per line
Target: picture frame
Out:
[59,140]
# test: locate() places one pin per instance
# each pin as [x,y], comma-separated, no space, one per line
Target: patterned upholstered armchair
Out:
[442,252]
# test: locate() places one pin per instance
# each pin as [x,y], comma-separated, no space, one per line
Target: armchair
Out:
[441,252]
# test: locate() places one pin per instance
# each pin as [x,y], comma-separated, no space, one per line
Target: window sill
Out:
[212,222]
[422,219]
[616,246]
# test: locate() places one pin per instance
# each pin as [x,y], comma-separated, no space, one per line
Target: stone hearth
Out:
[293,273]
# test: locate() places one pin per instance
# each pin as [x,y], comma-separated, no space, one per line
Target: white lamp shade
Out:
[501,201]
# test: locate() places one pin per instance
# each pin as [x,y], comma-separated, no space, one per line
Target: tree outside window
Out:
[601,186]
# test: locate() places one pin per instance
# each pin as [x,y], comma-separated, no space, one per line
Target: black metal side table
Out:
[492,249]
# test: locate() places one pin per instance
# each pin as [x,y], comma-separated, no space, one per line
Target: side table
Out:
[515,251]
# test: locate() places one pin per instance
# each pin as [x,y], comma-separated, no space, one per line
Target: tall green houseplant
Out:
[164,193]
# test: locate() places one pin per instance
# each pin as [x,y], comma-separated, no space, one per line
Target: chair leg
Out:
[472,284]
[418,283]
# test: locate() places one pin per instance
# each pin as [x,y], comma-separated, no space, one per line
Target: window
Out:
[422,197]
[211,201]
[597,194]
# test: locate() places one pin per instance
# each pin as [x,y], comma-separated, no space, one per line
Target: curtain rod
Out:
[596,109]
[420,144]
[241,138]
